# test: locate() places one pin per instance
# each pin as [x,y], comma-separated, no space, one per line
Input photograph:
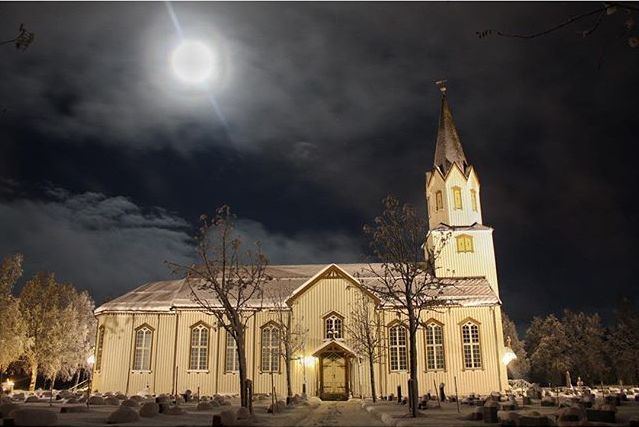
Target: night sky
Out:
[317,111]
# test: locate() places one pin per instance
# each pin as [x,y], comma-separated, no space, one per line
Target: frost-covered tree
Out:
[586,346]
[624,342]
[548,349]
[520,367]
[57,325]
[405,279]
[364,334]
[227,282]
[11,324]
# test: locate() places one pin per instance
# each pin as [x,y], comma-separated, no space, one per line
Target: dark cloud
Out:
[323,109]
[109,244]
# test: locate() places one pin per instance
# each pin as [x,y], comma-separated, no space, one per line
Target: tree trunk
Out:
[77,378]
[241,353]
[34,377]
[412,332]
[287,361]
[371,367]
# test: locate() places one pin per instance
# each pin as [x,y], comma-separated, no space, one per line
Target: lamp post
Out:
[90,362]
[509,354]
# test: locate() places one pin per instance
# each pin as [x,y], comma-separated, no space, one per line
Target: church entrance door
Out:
[333,376]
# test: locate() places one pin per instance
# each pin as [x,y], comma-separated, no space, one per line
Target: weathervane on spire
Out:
[441,84]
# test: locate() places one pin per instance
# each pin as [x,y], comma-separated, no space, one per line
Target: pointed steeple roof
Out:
[448,149]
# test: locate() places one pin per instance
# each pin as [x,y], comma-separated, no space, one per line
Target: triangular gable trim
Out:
[445,176]
[330,271]
[339,344]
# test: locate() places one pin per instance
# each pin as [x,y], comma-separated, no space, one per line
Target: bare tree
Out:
[291,330]
[228,281]
[604,11]
[406,279]
[364,334]
[22,40]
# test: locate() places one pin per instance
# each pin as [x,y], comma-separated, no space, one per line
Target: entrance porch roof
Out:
[336,346]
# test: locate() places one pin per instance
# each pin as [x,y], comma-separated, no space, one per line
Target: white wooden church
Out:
[155,338]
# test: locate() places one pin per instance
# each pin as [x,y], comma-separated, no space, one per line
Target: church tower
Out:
[464,246]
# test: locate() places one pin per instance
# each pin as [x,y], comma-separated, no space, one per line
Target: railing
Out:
[82,385]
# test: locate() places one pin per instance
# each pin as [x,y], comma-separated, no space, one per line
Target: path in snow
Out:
[348,413]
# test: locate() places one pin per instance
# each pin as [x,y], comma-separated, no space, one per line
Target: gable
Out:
[331,271]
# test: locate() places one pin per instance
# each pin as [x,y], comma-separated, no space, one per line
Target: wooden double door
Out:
[334,369]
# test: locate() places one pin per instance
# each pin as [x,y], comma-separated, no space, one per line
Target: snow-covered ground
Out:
[313,413]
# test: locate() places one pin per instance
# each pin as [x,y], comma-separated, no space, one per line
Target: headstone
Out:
[33,417]
[96,400]
[149,409]
[6,408]
[227,417]
[123,415]
[442,393]
[131,403]
[572,416]
[204,406]
[112,401]
[548,401]
[489,412]
[243,413]
[477,414]
[73,409]
[508,418]
[602,416]
[173,410]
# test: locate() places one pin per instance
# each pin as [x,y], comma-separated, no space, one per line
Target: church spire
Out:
[448,149]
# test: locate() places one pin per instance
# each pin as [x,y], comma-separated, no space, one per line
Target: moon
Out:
[192,62]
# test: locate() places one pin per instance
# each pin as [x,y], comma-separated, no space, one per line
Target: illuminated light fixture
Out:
[509,354]
[309,360]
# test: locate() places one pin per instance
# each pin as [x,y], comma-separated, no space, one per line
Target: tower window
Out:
[464,243]
[397,348]
[473,199]
[472,350]
[457,197]
[434,347]
[439,201]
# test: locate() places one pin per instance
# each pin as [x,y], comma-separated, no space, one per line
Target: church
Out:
[156,339]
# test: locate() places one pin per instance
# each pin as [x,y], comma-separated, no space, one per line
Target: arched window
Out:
[472,349]
[439,201]
[473,199]
[199,355]
[333,327]
[397,348]
[434,347]
[99,346]
[464,243]
[270,348]
[457,197]
[232,362]
[142,355]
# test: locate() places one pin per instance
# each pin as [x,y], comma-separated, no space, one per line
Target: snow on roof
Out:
[167,295]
